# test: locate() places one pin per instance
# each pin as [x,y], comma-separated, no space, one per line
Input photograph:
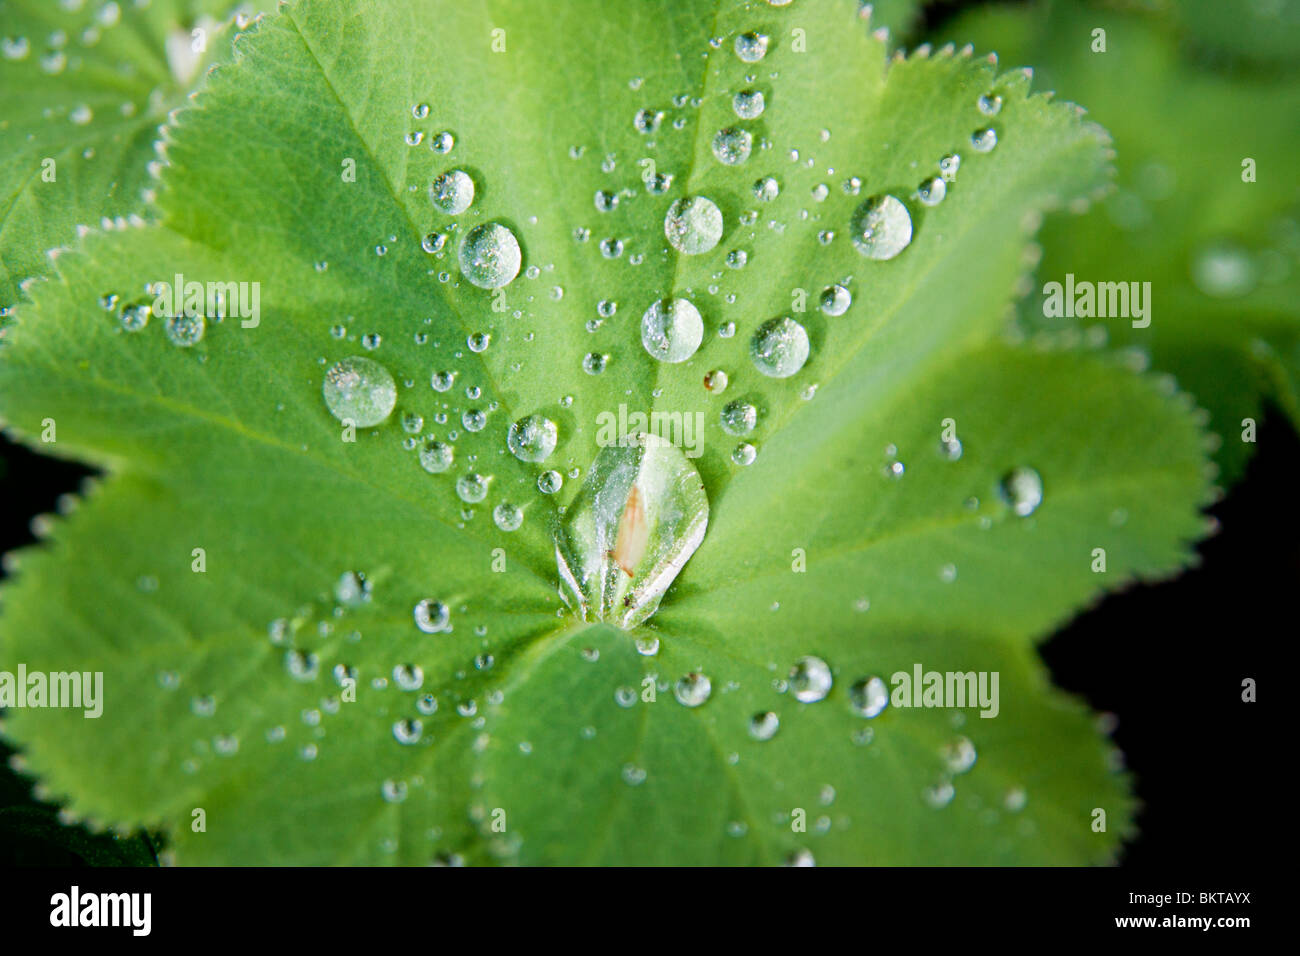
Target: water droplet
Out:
[647,646]
[751,47]
[692,690]
[869,696]
[394,791]
[549,482]
[490,256]
[932,191]
[432,617]
[443,142]
[135,317]
[408,676]
[471,488]
[184,330]
[836,300]
[1022,489]
[638,518]
[533,438]
[647,120]
[716,381]
[1224,270]
[983,140]
[744,454]
[990,104]
[748,104]
[507,517]
[352,589]
[811,679]
[301,665]
[800,857]
[593,363]
[779,348]
[693,225]
[764,726]
[672,331]
[959,755]
[940,795]
[359,390]
[443,381]
[633,775]
[433,242]
[420,111]
[766,189]
[732,146]
[452,192]
[407,731]
[882,227]
[948,167]
[738,418]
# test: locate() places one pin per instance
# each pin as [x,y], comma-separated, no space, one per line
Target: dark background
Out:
[1166,660]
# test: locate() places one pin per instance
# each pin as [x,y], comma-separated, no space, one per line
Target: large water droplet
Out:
[638,518]
[490,256]
[672,330]
[693,225]
[882,227]
[779,347]
[359,390]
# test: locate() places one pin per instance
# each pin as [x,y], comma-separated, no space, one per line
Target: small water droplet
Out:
[533,438]
[432,617]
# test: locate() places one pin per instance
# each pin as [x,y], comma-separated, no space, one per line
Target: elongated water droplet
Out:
[638,518]
[672,331]
[359,390]
[882,227]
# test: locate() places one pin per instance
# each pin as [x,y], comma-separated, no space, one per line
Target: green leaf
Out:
[1222,255]
[226,689]
[83,90]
